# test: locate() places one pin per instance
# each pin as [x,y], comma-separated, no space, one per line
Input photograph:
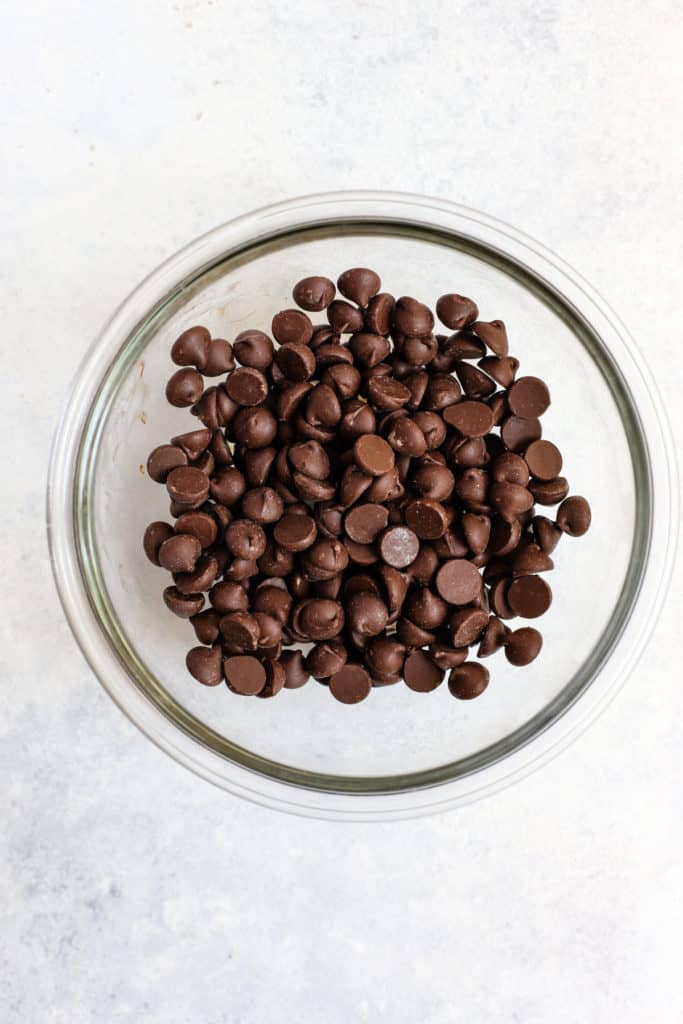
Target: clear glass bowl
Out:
[398,753]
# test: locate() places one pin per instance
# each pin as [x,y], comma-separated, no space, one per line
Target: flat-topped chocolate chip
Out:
[529,397]
[365,522]
[373,454]
[295,532]
[244,674]
[458,581]
[398,546]
[351,684]
[471,419]
[247,386]
[544,460]
[529,596]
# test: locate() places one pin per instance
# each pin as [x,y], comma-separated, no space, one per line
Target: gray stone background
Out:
[131,890]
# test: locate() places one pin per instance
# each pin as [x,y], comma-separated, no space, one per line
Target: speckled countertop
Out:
[133,891]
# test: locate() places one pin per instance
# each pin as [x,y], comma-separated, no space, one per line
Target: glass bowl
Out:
[398,753]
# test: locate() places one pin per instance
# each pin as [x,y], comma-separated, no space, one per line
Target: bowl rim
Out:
[252,228]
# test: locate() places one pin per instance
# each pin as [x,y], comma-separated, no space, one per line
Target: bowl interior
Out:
[396,739]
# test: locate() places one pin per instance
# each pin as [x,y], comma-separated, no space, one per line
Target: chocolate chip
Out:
[475,383]
[442,391]
[183,605]
[523,645]
[549,492]
[493,637]
[155,535]
[205,664]
[378,314]
[318,618]
[255,349]
[191,348]
[345,379]
[291,326]
[247,386]
[510,500]
[529,596]
[384,657]
[295,532]
[351,684]
[205,625]
[510,468]
[433,428]
[498,599]
[262,505]
[574,516]
[398,546]
[518,433]
[421,673]
[227,485]
[458,581]
[220,359]
[425,608]
[244,674]
[254,428]
[245,539]
[467,625]
[546,533]
[544,460]
[365,522]
[344,318]
[412,318]
[427,518]
[313,293]
[477,531]
[163,459]
[446,656]
[530,559]
[184,388]
[296,674]
[228,596]
[434,481]
[494,336]
[373,454]
[366,614]
[275,679]
[325,659]
[200,524]
[187,485]
[296,361]
[528,397]
[468,681]
[359,285]
[502,369]
[471,419]
[200,578]
[456,311]
[369,349]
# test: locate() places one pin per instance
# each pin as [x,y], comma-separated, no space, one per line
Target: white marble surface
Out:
[131,890]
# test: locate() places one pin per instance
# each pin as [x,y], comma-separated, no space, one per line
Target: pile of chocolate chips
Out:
[366,486]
